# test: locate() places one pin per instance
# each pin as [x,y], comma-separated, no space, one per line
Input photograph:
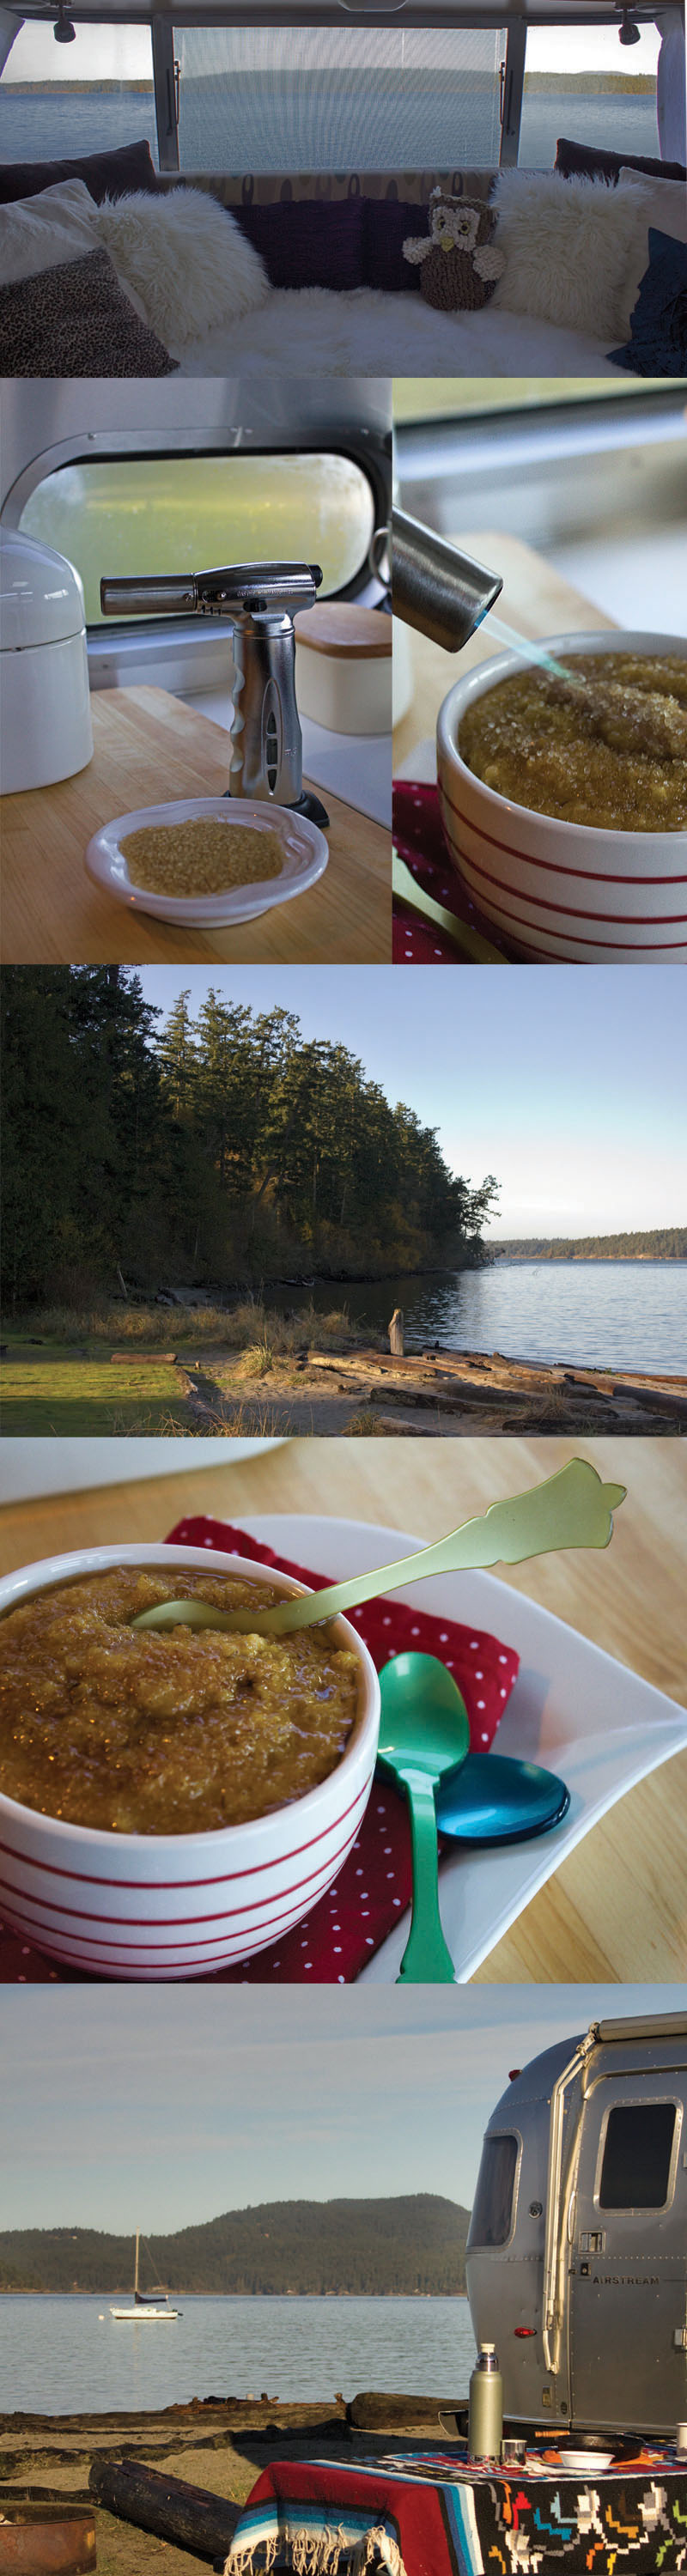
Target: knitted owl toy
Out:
[458,262]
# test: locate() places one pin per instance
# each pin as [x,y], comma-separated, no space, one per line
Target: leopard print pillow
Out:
[75,320]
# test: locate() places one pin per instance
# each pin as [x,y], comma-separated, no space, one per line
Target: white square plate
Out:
[573,1708]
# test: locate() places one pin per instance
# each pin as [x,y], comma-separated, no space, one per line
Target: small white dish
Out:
[304,847]
[573,1708]
[584,2464]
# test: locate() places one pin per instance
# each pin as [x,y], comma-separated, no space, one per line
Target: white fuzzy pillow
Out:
[183,259]
[570,248]
[40,232]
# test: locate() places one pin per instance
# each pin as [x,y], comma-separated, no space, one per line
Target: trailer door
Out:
[628,2255]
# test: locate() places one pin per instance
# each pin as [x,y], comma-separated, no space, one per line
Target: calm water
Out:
[43,127]
[66,2355]
[598,1314]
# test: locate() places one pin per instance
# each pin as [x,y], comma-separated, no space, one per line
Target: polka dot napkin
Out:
[349,1923]
[419,839]
[333,1943]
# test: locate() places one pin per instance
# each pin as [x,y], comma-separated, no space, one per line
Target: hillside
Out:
[660,1243]
[367,2247]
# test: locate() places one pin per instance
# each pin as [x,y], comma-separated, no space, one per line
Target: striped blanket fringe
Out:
[322,2553]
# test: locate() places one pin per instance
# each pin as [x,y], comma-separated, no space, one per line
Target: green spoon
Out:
[570,1509]
[424,1731]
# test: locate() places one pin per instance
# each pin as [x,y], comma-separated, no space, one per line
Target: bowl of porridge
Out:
[171,1799]
[564,799]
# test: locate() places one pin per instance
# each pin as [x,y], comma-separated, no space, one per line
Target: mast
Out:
[136,2266]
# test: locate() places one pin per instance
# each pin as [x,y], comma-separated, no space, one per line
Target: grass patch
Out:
[68,1397]
[245,1325]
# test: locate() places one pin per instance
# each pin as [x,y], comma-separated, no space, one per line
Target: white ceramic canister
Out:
[45,708]
[343,667]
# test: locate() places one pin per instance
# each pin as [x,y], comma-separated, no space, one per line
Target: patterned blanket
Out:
[425,2513]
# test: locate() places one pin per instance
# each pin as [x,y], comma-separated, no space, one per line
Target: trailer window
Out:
[328,99]
[173,514]
[492,2215]
[637,2154]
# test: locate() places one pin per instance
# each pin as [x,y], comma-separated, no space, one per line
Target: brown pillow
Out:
[104,174]
[582,160]
[75,320]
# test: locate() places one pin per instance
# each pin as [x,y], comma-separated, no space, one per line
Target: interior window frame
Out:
[189,653]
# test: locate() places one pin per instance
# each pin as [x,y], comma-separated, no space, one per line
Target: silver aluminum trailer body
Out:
[577,2251]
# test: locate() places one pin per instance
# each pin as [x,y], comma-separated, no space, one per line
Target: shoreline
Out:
[345,1389]
[218,2444]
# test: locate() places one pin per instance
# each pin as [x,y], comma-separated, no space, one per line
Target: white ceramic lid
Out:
[41,599]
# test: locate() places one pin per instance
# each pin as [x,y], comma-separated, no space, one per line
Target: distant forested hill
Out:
[370,2247]
[661,1243]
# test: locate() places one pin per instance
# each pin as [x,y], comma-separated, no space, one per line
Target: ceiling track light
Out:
[64,31]
[628,32]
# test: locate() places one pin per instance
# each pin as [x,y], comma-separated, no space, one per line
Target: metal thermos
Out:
[434,587]
[259,601]
[486,2406]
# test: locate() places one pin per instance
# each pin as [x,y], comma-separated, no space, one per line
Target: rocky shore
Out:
[218,2444]
[448,1393]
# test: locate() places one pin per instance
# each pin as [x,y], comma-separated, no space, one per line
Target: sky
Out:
[158,2107]
[570,1087]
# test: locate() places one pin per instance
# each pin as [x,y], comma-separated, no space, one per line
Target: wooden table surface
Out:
[535,599]
[150,747]
[617,1907]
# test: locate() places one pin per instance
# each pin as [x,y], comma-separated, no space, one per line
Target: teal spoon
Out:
[424,1731]
[496,1798]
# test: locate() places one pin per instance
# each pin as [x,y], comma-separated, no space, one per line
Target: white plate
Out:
[305,859]
[573,1708]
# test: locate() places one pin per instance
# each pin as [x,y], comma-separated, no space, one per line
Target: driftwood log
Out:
[191,2516]
[396,1333]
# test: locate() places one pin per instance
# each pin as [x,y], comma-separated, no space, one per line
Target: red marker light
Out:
[513,2073]
[522,2331]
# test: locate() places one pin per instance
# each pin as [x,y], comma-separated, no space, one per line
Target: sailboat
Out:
[150,2305]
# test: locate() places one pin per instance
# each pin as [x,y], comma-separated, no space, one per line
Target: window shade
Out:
[330,100]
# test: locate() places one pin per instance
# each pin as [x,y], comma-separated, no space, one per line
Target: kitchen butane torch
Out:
[436,588]
[259,601]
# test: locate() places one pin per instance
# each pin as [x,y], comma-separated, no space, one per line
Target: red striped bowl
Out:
[179,1905]
[557,889]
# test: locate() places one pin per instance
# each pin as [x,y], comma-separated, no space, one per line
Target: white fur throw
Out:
[42,232]
[571,248]
[183,259]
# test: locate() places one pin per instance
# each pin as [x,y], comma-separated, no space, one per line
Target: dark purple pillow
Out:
[310,243]
[104,174]
[387,223]
[580,160]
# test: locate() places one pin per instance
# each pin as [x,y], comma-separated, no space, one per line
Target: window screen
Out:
[181,513]
[59,100]
[323,99]
[581,82]
[637,2153]
[492,2215]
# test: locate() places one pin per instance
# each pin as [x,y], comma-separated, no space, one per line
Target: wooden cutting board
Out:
[149,747]
[535,599]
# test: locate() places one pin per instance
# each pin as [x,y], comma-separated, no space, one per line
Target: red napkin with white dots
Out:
[334,1942]
[419,839]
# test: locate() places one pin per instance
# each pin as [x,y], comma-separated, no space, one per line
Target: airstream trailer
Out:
[577,2251]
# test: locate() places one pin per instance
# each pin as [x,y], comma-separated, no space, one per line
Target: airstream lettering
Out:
[582,2199]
